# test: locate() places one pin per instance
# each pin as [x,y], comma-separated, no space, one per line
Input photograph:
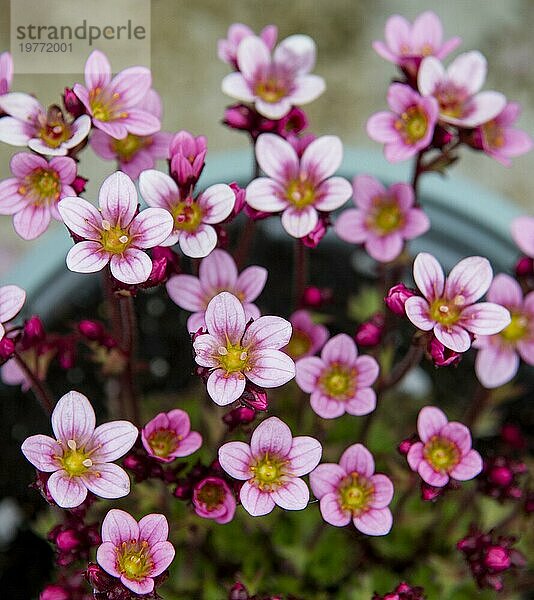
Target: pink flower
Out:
[193,217]
[45,132]
[298,186]
[6,72]
[498,358]
[227,49]
[450,307]
[384,218]
[213,499]
[407,44]
[499,139]
[340,380]
[351,491]
[115,233]
[32,195]
[457,89]
[307,337]
[272,467]
[135,153]
[235,352]
[444,450]
[409,128]
[216,273]
[274,83]
[114,104]
[80,457]
[135,552]
[12,299]
[187,154]
[523,234]
[168,436]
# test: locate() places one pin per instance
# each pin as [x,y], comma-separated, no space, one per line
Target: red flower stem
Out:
[478,404]
[300,272]
[410,360]
[129,344]
[39,388]
[245,243]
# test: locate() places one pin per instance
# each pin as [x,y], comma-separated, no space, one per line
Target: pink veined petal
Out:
[522,229]
[308,370]
[67,492]
[418,311]
[453,337]
[333,193]
[469,467]
[15,132]
[10,199]
[141,161]
[292,495]
[381,127]
[358,459]
[516,142]
[106,557]
[273,110]
[384,248]
[140,122]
[322,158]
[427,474]
[430,422]
[225,388]
[107,480]
[251,311]
[199,243]
[431,72]
[12,299]
[325,406]
[112,440]
[332,511]
[376,521]
[79,131]
[267,333]
[368,369]
[266,195]
[254,501]
[304,455]
[415,455]
[325,479]
[132,266]
[115,129]
[400,97]
[428,276]
[118,199]
[185,291]
[97,70]
[236,86]
[217,203]
[482,108]
[253,55]
[191,443]
[23,163]
[299,222]
[459,434]
[526,350]
[468,71]
[398,151]
[306,89]
[151,227]
[448,46]
[271,368]
[276,157]
[179,420]
[43,452]
[81,217]
[138,586]
[20,106]
[162,554]
[65,167]
[271,436]
[153,528]
[87,257]
[251,282]
[363,402]
[196,322]
[118,527]
[217,272]
[351,227]
[235,459]
[73,418]
[365,189]
[31,221]
[470,278]
[296,52]
[416,223]
[495,366]
[398,33]
[206,347]
[383,491]
[225,318]
[506,291]
[427,31]
[485,318]
[158,189]
[132,84]
[340,349]
[269,34]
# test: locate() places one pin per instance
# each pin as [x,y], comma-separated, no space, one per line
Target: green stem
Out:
[300,272]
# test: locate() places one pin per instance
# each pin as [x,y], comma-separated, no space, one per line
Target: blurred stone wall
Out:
[187,73]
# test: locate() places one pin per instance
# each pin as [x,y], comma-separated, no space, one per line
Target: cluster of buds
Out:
[73,540]
[489,558]
[72,587]
[104,347]
[246,118]
[165,263]
[187,159]
[403,591]
[499,478]
[312,239]
[106,587]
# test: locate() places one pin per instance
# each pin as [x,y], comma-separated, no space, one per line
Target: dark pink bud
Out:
[405,445]
[300,143]
[68,540]
[54,592]
[158,275]
[33,330]
[255,215]
[240,198]
[397,297]
[442,137]
[66,355]
[369,334]
[430,493]
[242,415]
[497,558]
[502,476]
[314,237]
[524,267]
[98,579]
[173,260]
[238,592]
[442,356]
[294,122]
[255,397]
[238,117]
[92,330]
[183,490]
[512,435]
[79,184]
[314,297]
[7,347]
[72,103]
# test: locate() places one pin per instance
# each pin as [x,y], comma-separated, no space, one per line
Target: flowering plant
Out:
[256,443]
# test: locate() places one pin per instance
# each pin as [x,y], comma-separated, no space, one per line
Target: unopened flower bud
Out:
[369,333]
[92,330]
[238,592]
[33,330]
[73,104]
[397,297]
[79,184]
[314,297]
[98,579]
[317,234]
[7,347]
[54,592]
[497,558]
[524,267]
[242,415]
[68,540]
[442,356]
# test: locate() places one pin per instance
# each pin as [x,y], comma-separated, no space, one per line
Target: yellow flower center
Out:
[299,344]
[211,495]
[270,90]
[114,239]
[163,442]
[339,382]
[413,123]
[53,130]
[355,493]
[128,147]
[134,560]
[517,329]
[75,460]
[385,216]
[451,100]
[493,134]
[233,358]
[187,215]
[447,312]
[269,472]
[105,107]
[300,192]
[442,454]
[43,186]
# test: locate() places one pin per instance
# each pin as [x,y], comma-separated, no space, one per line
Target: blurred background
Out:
[187,74]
